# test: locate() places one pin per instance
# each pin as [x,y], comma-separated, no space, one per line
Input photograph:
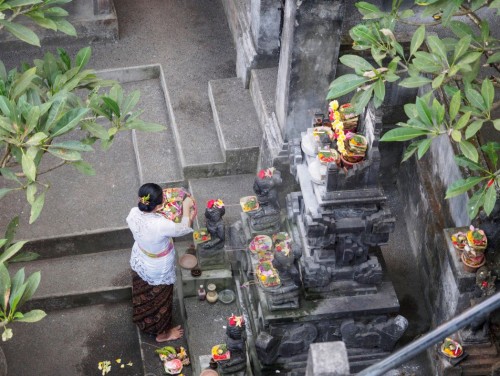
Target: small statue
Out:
[265,187]
[235,341]
[485,282]
[215,224]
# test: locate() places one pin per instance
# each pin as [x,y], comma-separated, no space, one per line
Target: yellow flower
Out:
[118,360]
[334,105]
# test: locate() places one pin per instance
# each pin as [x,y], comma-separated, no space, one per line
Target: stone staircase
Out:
[86,283]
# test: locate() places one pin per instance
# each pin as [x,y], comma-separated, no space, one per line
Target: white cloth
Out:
[153,232]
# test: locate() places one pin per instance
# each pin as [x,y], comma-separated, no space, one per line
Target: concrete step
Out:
[205,323]
[79,280]
[156,153]
[263,92]
[73,342]
[237,124]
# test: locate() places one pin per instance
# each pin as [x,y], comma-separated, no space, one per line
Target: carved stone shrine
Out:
[332,283]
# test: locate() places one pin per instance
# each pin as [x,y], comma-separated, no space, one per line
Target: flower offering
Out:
[261,246]
[267,275]
[249,203]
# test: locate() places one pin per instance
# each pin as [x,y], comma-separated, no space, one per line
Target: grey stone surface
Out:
[263,91]
[74,341]
[206,326]
[77,203]
[233,113]
[80,274]
[156,153]
[327,359]
[307,65]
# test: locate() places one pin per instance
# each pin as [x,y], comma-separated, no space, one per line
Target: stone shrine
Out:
[332,281]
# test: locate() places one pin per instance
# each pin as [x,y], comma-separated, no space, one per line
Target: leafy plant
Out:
[45,13]
[14,292]
[458,98]
[54,97]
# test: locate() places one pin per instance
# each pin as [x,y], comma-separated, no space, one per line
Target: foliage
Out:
[45,13]
[16,291]
[458,99]
[43,103]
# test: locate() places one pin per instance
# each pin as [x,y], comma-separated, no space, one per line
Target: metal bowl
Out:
[227,296]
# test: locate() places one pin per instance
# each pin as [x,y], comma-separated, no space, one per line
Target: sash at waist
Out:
[163,253]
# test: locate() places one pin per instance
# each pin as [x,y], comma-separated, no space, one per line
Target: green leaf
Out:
[488,92]
[46,23]
[21,32]
[366,8]
[475,203]
[84,167]
[462,122]
[491,150]
[71,145]
[438,81]
[83,57]
[461,29]
[356,62]
[410,110]
[112,105]
[4,191]
[17,291]
[36,139]
[65,154]
[469,150]
[65,27]
[437,47]
[463,185]
[415,81]
[379,90]
[461,47]
[25,256]
[424,112]
[12,250]
[474,98]
[403,134]
[456,135]
[57,11]
[96,130]
[426,62]
[362,34]
[410,150]
[3,72]
[417,39]
[423,146]
[55,113]
[470,58]
[30,193]
[131,101]
[29,167]
[31,285]
[33,316]
[69,121]
[21,3]
[5,285]
[495,58]
[37,207]
[473,128]
[496,124]
[455,104]
[8,174]
[344,85]
[362,100]
[21,84]
[490,199]
[466,162]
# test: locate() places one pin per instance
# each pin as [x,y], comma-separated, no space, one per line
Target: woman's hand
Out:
[188,209]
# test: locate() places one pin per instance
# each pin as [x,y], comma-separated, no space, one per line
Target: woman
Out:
[153,262]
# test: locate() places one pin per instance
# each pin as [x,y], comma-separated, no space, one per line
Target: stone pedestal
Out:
[307,64]
[211,259]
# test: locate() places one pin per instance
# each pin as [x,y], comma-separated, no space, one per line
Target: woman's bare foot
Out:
[171,334]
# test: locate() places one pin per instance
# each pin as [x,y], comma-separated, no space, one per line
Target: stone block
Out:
[327,359]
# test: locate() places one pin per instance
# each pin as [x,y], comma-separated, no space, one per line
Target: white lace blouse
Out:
[152,233]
